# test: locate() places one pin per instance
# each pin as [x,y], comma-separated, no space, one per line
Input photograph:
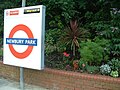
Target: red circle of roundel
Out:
[29,34]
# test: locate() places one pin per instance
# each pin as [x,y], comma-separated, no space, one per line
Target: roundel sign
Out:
[24,30]
[29,34]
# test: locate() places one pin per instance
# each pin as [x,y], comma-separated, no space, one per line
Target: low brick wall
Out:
[61,80]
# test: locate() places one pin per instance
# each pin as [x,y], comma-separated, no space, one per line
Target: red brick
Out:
[61,80]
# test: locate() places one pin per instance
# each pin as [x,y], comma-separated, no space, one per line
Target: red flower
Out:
[66,54]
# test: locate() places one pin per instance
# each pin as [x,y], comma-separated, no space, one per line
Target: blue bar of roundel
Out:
[21,41]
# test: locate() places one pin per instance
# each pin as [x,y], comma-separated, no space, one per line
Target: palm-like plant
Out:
[73,34]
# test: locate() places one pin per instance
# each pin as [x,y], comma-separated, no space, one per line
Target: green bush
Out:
[52,41]
[91,52]
[114,74]
[114,64]
[72,36]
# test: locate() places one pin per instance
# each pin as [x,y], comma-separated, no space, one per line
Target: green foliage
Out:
[91,52]
[51,41]
[97,16]
[97,27]
[54,49]
[82,65]
[113,34]
[1,48]
[94,52]
[104,43]
[114,74]
[73,35]
[92,69]
[114,64]
[1,41]
[100,17]
[59,12]
[1,52]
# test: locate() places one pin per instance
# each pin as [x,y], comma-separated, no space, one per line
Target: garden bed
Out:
[61,80]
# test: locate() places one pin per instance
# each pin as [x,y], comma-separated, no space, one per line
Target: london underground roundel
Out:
[30,35]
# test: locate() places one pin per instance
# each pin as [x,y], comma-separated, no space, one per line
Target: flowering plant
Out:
[105,69]
[66,54]
[66,57]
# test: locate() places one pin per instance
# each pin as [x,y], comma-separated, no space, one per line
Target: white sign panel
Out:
[24,30]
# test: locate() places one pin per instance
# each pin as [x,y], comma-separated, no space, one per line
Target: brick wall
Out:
[61,80]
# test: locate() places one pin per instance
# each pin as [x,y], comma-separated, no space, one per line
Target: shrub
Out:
[72,36]
[105,69]
[91,52]
[51,41]
[92,69]
[113,34]
[114,64]
[114,74]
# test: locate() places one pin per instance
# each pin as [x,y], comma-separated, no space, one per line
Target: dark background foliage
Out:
[99,18]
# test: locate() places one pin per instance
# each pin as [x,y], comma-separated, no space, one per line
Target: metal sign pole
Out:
[23,3]
[21,78]
[21,68]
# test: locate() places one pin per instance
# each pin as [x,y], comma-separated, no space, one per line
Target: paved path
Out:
[11,85]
